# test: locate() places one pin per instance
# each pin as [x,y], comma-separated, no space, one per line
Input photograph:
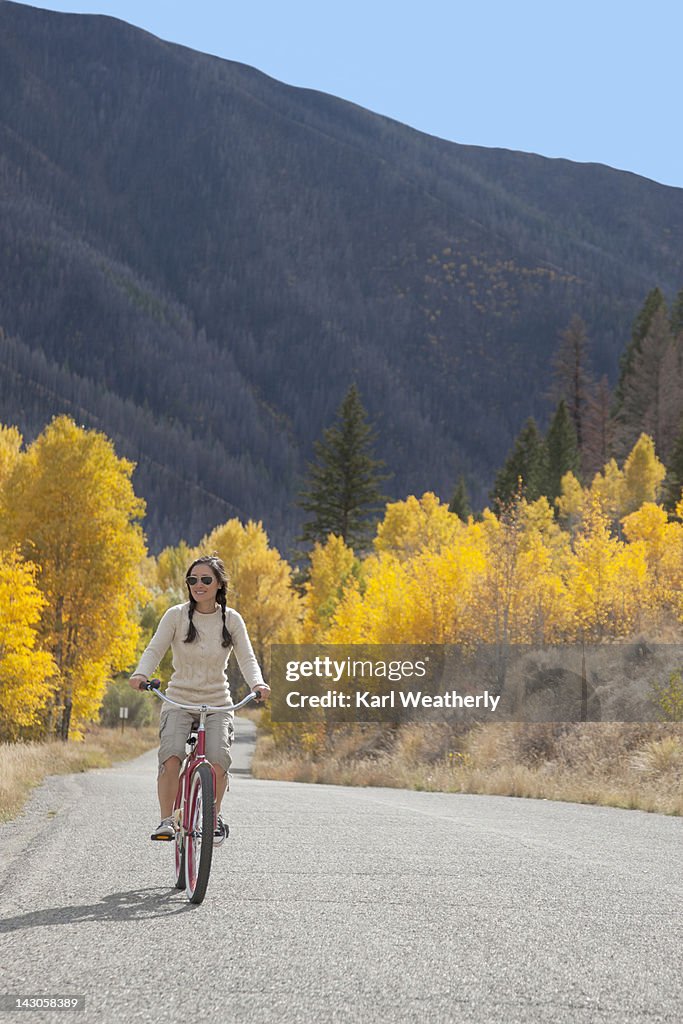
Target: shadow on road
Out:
[134,905]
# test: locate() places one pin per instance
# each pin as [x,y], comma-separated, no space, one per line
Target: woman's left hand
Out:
[263,691]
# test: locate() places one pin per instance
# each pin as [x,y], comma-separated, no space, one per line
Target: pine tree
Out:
[460,502]
[525,463]
[598,431]
[677,315]
[670,395]
[654,301]
[343,495]
[673,484]
[650,390]
[562,453]
[572,380]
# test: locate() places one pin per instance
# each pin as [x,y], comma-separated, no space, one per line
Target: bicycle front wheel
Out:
[199,840]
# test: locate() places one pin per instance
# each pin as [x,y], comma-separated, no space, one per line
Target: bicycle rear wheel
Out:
[199,840]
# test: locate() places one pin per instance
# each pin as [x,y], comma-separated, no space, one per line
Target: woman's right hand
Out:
[135,681]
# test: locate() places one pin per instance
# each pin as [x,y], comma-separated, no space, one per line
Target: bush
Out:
[669,698]
[141,706]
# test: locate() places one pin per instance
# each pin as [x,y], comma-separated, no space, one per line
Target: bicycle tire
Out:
[199,842]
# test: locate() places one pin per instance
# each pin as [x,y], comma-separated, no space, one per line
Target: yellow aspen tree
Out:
[381,615]
[349,623]
[663,547]
[494,590]
[27,674]
[606,581]
[387,600]
[643,476]
[413,524]
[70,507]
[439,595]
[410,590]
[425,598]
[10,449]
[607,493]
[679,601]
[259,583]
[171,567]
[539,524]
[607,489]
[521,596]
[268,601]
[164,578]
[570,501]
[231,541]
[540,606]
[333,567]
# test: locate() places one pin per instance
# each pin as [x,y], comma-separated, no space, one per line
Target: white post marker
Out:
[123,715]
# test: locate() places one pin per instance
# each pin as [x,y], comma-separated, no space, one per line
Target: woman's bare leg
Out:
[167,785]
[221,784]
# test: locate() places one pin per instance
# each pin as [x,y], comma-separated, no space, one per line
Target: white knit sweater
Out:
[199,668]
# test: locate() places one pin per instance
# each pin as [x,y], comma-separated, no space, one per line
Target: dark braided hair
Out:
[218,568]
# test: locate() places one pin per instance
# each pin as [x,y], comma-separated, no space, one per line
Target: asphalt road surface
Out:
[333,904]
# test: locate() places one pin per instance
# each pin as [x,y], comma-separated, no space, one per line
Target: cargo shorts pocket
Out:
[174,725]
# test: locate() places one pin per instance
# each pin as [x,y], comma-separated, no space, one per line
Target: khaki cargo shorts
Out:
[174,725]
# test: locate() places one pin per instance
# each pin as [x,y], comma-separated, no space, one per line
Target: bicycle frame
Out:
[188,839]
[196,756]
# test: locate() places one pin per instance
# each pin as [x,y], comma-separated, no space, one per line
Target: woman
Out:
[202,633]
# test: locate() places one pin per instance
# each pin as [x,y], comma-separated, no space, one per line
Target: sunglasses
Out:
[194,580]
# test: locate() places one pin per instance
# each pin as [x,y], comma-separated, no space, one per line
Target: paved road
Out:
[332,904]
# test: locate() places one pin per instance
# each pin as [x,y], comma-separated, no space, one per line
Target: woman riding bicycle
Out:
[201,633]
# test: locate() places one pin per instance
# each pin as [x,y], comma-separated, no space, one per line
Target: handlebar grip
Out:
[151,684]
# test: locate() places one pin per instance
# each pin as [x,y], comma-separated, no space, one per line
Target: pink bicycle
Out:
[194,810]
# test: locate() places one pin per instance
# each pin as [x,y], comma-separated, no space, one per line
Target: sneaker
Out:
[221,831]
[165,830]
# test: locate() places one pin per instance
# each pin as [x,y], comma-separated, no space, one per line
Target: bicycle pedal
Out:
[163,839]
[220,837]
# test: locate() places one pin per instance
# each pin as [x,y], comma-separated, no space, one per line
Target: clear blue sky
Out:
[590,80]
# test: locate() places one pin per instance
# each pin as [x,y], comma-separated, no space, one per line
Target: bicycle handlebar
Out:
[154,684]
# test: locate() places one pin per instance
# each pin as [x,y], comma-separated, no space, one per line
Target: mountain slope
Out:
[199,260]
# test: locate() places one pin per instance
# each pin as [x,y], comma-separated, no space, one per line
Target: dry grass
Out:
[614,764]
[25,765]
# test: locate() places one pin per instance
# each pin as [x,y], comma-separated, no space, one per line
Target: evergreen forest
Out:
[199,261]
